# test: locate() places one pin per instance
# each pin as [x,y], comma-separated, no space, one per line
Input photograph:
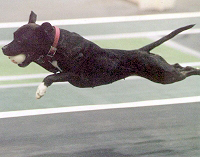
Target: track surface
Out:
[150,131]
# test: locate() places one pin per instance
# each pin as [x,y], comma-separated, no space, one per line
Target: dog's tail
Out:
[151,46]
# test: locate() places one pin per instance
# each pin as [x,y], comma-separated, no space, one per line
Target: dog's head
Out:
[31,40]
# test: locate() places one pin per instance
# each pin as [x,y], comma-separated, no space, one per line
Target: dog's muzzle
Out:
[7,52]
[4,48]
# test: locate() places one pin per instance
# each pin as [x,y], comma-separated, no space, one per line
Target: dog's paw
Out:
[41,90]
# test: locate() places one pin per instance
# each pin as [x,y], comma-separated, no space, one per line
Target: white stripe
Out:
[137,34]
[183,48]
[27,85]
[108,19]
[22,77]
[193,64]
[39,76]
[4,42]
[180,47]
[19,85]
[36,112]
[125,35]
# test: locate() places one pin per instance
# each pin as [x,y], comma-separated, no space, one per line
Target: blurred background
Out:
[131,118]
[65,9]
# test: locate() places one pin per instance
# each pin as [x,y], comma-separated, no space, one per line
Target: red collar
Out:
[46,60]
[53,48]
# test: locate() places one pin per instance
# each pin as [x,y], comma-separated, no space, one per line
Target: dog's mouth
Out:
[18,59]
[12,60]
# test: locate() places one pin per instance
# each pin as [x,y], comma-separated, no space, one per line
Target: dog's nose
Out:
[4,47]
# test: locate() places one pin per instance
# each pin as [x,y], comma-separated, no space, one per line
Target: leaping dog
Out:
[82,63]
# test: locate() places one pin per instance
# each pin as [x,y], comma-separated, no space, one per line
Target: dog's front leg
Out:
[42,88]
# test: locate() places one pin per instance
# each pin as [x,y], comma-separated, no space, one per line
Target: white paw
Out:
[41,90]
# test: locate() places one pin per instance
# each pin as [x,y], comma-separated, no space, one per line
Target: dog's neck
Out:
[53,48]
[44,60]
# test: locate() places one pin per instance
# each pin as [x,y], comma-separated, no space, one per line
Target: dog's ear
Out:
[45,31]
[32,17]
[47,27]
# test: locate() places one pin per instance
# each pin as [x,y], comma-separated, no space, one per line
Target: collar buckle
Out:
[52,51]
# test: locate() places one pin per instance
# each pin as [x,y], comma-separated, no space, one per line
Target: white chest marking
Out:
[55,64]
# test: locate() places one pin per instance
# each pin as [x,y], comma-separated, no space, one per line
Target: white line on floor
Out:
[23,77]
[125,35]
[180,47]
[37,76]
[137,35]
[36,112]
[108,19]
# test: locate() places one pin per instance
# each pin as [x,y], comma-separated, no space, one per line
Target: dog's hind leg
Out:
[187,71]
[172,73]
[156,69]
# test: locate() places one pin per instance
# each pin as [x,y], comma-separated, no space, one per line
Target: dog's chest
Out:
[51,66]
[55,64]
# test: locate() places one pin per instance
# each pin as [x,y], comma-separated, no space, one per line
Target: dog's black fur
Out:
[84,64]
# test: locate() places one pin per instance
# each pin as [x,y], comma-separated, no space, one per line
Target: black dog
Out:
[84,64]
